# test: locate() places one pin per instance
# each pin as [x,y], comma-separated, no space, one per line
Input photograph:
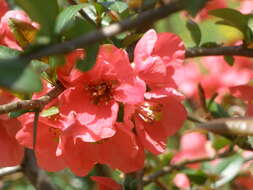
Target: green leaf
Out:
[15,74]
[194,6]
[43,12]
[217,110]
[16,114]
[50,111]
[233,18]
[66,16]
[6,53]
[39,66]
[116,6]
[230,60]
[194,31]
[90,58]
[210,45]
[250,141]
[196,176]
[218,141]
[228,168]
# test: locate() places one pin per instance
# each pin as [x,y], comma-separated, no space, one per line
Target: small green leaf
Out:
[228,168]
[18,76]
[194,31]
[116,6]
[230,60]
[210,45]
[232,18]
[16,114]
[196,176]
[250,141]
[218,111]
[50,111]
[6,53]
[66,16]
[218,141]
[90,59]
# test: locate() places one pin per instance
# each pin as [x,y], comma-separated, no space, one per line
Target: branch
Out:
[167,169]
[9,170]
[229,50]
[36,176]
[33,104]
[105,32]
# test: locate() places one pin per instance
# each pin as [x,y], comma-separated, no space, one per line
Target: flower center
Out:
[150,112]
[102,92]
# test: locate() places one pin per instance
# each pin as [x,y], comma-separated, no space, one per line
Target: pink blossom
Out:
[155,120]
[11,151]
[192,146]
[95,94]
[120,151]
[7,36]
[244,92]
[3,7]
[246,6]
[155,56]
[182,181]
[214,74]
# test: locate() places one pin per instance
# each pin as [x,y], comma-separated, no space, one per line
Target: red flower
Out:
[11,151]
[182,181]
[106,183]
[3,7]
[7,36]
[47,139]
[155,120]
[94,95]
[192,146]
[154,58]
[244,92]
[120,151]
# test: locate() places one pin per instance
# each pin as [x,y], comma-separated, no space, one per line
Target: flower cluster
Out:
[109,114]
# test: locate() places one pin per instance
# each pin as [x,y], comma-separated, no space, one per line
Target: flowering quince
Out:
[96,93]
[7,36]
[214,74]
[155,56]
[244,92]
[182,181]
[11,152]
[120,151]
[197,148]
[246,6]
[48,134]
[160,114]
[3,7]
[106,183]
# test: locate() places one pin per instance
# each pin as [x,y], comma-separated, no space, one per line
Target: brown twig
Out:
[105,32]
[9,170]
[160,184]
[227,51]
[33,104]
[167,169]
[36,176]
